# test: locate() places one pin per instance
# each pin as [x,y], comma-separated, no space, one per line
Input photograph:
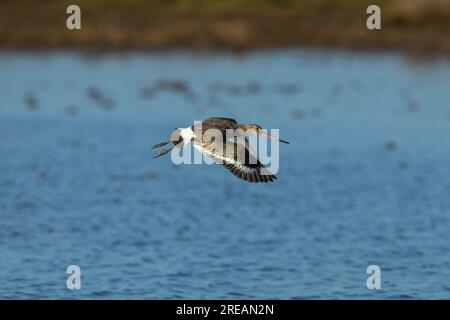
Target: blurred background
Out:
[415,25]
[364,180]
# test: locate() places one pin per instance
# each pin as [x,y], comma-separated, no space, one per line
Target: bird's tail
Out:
[176,139]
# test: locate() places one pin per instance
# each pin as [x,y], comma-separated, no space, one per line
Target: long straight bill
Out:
[273,138]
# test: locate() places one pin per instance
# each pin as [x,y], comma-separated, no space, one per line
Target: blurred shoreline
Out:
[414,26]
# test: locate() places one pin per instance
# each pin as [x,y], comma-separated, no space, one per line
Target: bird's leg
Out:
[160,145]
[162,152]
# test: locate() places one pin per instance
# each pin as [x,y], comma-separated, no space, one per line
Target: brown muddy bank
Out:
[413,25]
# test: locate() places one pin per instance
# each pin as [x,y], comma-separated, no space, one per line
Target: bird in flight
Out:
[233,153]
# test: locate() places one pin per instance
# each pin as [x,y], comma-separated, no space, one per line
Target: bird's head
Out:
[252,129]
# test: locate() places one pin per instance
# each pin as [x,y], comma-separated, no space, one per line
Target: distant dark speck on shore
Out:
[100,99]
[390,146]
[31,101]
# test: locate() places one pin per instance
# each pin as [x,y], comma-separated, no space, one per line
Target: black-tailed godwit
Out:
[236,154]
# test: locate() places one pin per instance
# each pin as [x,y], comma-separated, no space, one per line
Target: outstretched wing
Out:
[236,156]
[220,118]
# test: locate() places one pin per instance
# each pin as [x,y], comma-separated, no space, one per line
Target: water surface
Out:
[364,180]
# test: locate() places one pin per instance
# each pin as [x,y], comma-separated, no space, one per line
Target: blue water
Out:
[364,181]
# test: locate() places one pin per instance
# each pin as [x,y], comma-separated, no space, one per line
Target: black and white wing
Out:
[236,156]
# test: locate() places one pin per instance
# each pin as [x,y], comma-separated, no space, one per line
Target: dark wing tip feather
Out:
[255,173]
[255,176]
